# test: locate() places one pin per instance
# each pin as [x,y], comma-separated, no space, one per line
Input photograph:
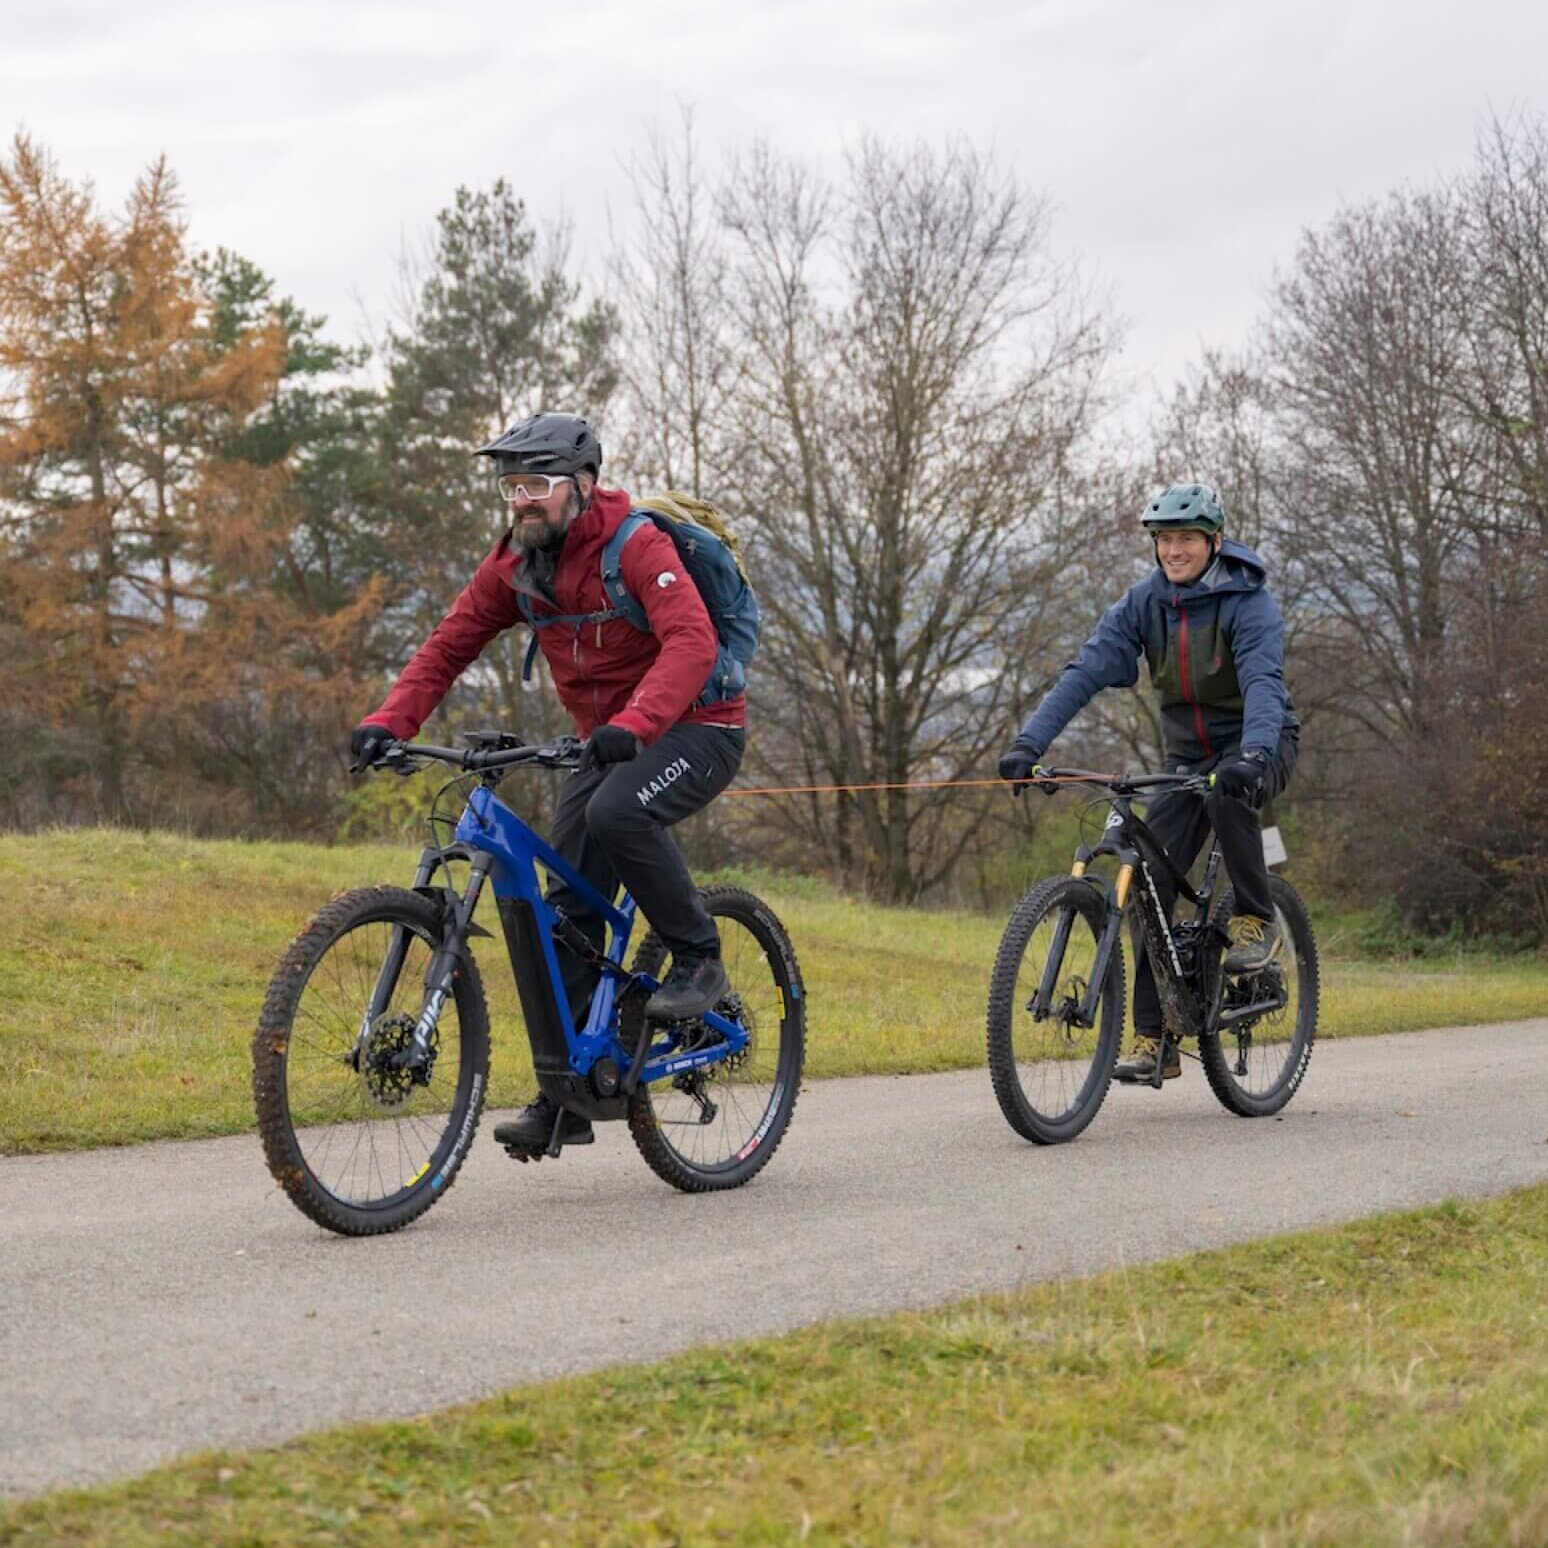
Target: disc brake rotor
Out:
[388,1083]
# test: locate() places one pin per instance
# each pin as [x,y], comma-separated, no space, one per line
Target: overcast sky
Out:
[1183,145]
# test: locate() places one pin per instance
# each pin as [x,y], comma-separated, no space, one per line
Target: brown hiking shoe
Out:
[1140,1066]
[1254,943]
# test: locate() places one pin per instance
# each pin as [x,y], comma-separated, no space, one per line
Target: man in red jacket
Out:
[656,751]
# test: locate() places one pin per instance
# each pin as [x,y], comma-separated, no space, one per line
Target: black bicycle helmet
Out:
[546,443]
[1195,506]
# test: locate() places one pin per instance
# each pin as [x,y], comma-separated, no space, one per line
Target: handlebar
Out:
[563,752]
[1122,784]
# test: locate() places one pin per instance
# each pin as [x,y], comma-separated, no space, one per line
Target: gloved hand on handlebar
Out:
[1019,764]
[609,744]
[1243,775]
[366,745]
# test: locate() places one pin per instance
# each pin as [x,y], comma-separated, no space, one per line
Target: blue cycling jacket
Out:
[1216,652]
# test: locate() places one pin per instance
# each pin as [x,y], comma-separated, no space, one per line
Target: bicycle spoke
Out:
[745,1086]
[328,1098]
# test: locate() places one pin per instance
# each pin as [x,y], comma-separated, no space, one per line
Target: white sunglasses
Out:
[531,486]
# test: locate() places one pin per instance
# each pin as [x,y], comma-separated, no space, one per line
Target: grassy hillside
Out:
[1383,1383]
[137,962]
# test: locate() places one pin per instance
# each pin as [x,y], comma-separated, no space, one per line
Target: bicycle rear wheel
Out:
[360,1146]
[1051,1075]
[718,1126]
[1255,1067]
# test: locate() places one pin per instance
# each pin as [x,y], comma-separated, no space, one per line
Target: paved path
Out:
[164,1298]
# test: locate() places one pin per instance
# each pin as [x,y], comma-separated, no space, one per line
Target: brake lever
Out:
[563,752]
[401,761]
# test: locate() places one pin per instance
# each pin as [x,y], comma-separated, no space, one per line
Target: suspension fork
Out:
[456,925]
[1107,943]
[1042,1002]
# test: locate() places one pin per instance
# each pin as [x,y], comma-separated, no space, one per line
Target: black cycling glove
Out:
[609,744]
[366,745]
[1017,765]
[1243,775]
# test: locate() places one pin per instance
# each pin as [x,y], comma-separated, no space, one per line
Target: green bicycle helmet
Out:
[1195,507]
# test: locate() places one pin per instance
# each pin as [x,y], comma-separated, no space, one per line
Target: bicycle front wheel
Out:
[717,1126]
[1255,1066]
[1051,1074]
[360,1145]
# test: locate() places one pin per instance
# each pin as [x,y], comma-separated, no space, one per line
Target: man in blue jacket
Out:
[1213,637]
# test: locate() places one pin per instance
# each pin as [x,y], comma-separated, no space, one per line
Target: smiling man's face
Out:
[1184,553]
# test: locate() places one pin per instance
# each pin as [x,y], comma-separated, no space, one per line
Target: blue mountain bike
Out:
[371,1058]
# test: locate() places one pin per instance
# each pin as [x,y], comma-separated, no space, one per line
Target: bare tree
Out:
[1505,229]
[915,370]
[668,281]
[1367,337]
[1391,430]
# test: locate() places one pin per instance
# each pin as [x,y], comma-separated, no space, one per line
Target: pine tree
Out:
[497,330]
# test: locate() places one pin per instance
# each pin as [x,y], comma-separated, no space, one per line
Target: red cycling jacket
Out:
[606,674]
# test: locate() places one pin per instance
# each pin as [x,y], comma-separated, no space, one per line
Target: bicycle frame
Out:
[1138,852]
[1191,998]
[587,1070]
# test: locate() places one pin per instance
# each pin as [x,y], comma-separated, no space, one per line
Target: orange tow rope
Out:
[912,784]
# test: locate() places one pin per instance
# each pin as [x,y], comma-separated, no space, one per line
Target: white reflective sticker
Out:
[1273,846]
[665,579]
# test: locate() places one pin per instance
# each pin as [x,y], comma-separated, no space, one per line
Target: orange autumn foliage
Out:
[141,622]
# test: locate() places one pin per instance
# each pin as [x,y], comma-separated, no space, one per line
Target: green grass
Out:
[136,964]
[1381,1383]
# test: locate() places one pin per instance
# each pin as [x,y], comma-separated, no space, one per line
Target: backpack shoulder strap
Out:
[524,602]
[544,620]
[613,585]
[622,605]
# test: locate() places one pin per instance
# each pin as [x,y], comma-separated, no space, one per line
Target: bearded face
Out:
[543,523]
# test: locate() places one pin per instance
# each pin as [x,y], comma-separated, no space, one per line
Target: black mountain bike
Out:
[1056,1000]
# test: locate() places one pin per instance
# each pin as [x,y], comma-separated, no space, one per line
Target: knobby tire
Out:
[305,961]
[667,1159]
[1007,1011]
[1217,1050]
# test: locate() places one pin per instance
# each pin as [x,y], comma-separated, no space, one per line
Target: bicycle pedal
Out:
[1147,1080]
[523,1154]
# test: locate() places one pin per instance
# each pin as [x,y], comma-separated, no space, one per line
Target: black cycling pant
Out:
[611,826]
[1182,822]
